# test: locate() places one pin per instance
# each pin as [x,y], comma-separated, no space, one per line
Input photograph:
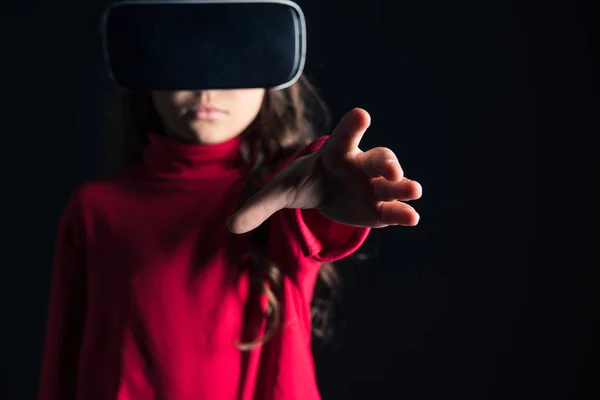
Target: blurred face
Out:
[208,117]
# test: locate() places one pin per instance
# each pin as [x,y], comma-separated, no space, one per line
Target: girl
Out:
[189,274]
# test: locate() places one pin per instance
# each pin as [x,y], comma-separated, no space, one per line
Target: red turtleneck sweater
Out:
[148,295]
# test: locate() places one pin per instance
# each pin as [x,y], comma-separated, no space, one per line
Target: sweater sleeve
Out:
[321,238]
[64,327]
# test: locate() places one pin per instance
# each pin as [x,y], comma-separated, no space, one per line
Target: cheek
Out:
[168,111]
[181,99]
[171,104]
[252,102]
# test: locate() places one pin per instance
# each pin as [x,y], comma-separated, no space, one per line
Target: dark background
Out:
[479,99]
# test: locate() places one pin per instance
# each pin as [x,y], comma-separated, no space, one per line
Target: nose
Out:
[206,95]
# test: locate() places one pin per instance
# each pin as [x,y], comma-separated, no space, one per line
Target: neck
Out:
[174,158]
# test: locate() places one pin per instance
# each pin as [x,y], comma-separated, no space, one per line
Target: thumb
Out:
[348,133]
[258,209]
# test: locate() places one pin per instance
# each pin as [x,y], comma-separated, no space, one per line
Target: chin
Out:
[212,137]
[211,132]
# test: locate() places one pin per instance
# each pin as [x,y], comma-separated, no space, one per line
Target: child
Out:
[189,274]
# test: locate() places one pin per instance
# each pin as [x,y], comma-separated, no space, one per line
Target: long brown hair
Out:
[289,119]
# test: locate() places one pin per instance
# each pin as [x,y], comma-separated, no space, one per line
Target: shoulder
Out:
[96,194]
[94,190]
[314,145]
[303,151]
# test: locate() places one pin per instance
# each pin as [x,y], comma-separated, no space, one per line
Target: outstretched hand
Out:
[346,184]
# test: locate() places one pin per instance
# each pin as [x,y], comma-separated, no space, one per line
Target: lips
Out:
[206,112]
[207,109]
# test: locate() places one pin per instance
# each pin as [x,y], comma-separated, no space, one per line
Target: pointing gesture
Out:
[346,184]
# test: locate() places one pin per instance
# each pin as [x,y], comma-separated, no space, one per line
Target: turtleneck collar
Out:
[171,159]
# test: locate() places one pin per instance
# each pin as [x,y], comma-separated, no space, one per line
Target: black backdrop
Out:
[479,99]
